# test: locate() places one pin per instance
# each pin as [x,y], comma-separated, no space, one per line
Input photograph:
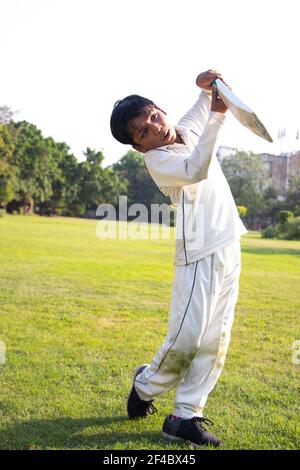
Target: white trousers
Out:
[192,355]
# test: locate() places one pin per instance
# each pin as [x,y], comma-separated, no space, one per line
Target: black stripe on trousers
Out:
[184,316]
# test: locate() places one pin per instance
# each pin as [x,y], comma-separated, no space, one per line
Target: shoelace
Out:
[200,421]
[151,408]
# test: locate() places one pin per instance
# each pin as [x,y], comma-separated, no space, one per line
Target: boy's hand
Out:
[217,104]
[205,79]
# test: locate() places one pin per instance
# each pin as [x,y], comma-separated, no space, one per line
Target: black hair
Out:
[123,112]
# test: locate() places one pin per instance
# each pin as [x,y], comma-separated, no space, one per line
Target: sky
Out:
[64,63]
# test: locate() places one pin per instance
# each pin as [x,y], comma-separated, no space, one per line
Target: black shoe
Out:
[189,430]
[137,408]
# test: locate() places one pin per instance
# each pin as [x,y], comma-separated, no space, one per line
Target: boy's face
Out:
[151,129]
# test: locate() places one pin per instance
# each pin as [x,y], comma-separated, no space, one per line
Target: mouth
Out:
[167,134]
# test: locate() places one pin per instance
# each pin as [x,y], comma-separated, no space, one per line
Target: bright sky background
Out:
[64,63]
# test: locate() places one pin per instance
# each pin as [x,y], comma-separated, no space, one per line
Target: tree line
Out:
[42,176]
[252,188]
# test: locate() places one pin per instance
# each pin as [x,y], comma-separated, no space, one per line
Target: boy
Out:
[182,162]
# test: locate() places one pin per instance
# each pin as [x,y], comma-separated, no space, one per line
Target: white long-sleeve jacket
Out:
[190,174]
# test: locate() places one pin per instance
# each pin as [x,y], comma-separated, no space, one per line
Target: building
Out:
[224,152]
[281,168]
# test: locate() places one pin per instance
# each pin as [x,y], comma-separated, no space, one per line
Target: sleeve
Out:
[197,117]
[172,170]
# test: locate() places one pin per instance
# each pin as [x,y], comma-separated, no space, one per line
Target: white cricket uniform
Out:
[207,263]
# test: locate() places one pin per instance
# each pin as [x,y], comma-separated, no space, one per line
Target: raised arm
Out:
[196,118]
[172,170]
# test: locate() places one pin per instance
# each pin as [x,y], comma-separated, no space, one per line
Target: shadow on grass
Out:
[270,251]
[69,433]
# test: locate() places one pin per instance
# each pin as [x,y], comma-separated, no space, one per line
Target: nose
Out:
[156,127]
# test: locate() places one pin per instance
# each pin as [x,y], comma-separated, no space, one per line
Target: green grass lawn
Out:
[78,314]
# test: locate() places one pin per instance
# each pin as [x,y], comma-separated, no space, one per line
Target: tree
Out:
[6,114]
[272,205]
[292,201]
[141,188]
[35,165]
[68,189]
[248,180]
[7,170]
[97,185]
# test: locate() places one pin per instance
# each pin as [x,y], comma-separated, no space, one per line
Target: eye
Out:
[154,117]
[144,132]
